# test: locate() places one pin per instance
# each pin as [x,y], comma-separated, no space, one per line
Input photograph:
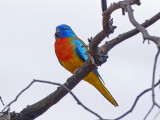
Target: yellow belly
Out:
[72,64]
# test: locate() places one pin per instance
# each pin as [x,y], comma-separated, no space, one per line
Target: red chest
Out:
[64,49]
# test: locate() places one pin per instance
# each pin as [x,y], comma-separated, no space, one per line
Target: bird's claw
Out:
[84,45]
[90,57]
[90,39]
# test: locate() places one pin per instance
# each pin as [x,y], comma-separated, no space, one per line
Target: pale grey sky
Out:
[27,30]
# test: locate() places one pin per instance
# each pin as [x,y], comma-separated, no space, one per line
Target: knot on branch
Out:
[10,115]
[109,28]
[101,57]
[96,54]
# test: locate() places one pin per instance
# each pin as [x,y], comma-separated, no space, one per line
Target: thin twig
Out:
[142,29]
[148,112]
[153,79]
[2,101]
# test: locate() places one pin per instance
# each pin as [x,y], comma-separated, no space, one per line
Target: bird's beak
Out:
[57,35]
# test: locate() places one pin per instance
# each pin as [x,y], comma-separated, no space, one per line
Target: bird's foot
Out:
[90,57]
[86,46]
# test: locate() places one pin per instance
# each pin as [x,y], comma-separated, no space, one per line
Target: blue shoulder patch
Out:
[81,53]
[81,50]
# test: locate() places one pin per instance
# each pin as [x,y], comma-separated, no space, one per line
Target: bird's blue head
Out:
[63,31]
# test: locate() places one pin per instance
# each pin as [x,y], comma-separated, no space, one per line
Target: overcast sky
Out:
[27,30]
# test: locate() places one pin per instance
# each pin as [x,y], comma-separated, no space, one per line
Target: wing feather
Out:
[80,50]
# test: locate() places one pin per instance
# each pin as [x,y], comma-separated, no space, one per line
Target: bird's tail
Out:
[93,79]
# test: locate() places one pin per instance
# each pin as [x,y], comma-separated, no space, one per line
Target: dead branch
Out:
[30,112]
[112,43]
[112,8]
[144,32]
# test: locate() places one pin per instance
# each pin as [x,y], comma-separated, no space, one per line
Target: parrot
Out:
[71,55]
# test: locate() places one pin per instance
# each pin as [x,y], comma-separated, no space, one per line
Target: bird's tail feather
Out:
[93,79]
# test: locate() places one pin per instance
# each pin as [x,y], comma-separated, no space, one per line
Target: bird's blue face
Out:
[63,31]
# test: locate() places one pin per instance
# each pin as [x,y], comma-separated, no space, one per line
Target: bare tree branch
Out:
[111,9]
[36,110]
[108,28]
[112,43]
[155,40]
[141,28]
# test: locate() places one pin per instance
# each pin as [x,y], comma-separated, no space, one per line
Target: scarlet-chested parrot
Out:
[71,55]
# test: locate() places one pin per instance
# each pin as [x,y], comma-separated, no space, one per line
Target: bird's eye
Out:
[65,28]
